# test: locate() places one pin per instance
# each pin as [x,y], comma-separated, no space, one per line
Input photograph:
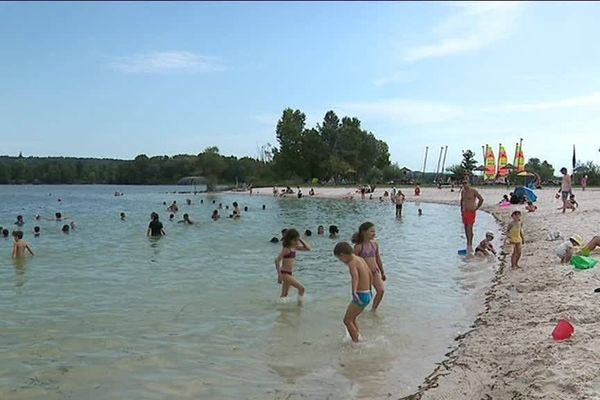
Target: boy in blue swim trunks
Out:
[362,280]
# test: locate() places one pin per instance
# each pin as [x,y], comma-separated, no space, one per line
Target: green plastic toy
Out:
[583,262]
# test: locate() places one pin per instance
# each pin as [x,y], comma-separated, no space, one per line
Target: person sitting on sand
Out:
[530,207]
[573,204]
[311,192]
[186,220]
[361,285]
[20,246]
[333,232]
[215,215]
[504,200]
[486,247]
[591,246]
[565,250]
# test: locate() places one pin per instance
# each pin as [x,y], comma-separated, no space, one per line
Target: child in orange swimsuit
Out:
[284,263]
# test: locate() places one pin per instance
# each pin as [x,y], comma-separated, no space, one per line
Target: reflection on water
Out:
[107,313]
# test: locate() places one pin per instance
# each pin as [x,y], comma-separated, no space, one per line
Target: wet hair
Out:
[308,232]
[215,212]
[333,229]
[154,216]
[186,216]
[264,207]
[516,212]
[201,201]
[274,240]
[342,248]
[214,201]
[19,217]
[58,215]
[65,228]
[420,211]
[359,237]
[235,204]
[174,202]
[245,208]
[289,236]
[220,204]
[18,234]
[171,216]
[5,232]
[164,203]
[36,229]
[227,207]
[283,231]
[321,228]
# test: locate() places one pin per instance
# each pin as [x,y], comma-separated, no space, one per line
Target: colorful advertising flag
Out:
[490,163]
[502,162]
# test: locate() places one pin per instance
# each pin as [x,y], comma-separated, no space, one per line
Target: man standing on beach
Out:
[470,202]
[565,188]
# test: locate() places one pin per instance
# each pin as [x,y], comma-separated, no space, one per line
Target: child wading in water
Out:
[284,263]
[20,246]
[516,238]
[368,249]
[361,286]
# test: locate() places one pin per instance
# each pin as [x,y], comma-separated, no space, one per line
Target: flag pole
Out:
[444,160]
[424,162]
[437,169]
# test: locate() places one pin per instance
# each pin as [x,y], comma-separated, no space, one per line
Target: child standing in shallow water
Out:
[284,263]
[20,246]
[516,238]
[366,247]
[361,286]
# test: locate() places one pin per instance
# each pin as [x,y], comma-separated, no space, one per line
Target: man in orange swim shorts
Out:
[470,202]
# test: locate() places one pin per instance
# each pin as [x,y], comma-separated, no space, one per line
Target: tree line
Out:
[335,150]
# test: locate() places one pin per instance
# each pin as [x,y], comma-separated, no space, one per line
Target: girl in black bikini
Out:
[284,263]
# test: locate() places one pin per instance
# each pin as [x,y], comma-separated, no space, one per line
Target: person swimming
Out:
[20,221]
[215,215]
[333,231]
[5,232]
[65,228]
[321,230]
[308,232]
[264,207]
[186,220]
[171,217]
[122,216]
[420,212]
[36,231]
[246,209]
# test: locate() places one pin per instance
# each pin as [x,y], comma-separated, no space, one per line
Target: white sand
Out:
[509,353]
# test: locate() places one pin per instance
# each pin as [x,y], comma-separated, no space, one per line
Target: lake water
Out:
[106,313]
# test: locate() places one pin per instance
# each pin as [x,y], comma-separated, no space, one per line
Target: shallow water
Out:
[105,313]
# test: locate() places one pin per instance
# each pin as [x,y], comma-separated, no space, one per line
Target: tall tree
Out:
[290,131]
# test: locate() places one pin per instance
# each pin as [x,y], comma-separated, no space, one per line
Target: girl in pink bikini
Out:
[284,263]
[366,247]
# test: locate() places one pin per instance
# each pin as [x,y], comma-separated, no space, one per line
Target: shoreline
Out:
[508,352]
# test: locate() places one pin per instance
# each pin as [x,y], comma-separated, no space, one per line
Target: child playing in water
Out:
[361,286]
[366,247]
[20,246]
[333,232]
[516,238]
[186,220]
[321,230]
[284,263]
[486,247]
[215,215]
[565,250]
[36,231]
[237,213]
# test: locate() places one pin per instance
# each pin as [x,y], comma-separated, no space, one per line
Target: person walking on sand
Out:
[584,182]
[470,202]
[565,188]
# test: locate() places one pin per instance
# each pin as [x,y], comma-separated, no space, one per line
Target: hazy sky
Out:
[120,79]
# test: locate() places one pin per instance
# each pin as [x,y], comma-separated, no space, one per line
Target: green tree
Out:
[468,163]
[290,132]
[544,169]
[211,165]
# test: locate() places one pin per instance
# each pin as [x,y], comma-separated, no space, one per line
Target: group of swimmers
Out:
[364,265]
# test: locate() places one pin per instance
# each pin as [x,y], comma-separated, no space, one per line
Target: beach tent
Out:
[525,192]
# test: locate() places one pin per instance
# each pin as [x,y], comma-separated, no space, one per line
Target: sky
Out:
[115,79]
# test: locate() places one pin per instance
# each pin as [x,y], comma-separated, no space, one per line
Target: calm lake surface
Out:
[106,313]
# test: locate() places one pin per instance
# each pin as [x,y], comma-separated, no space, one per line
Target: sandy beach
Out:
[509,352]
